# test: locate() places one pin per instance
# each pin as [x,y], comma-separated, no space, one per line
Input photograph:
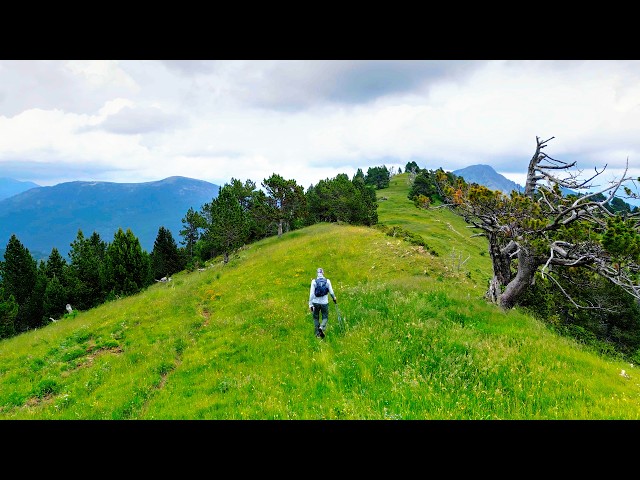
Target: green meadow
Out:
[236,341]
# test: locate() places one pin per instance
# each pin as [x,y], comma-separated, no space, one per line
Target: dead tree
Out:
[545,230]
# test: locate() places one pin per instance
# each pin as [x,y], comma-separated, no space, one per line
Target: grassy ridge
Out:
[236,341]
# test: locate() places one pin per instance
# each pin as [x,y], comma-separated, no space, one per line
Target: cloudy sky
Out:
[145,120]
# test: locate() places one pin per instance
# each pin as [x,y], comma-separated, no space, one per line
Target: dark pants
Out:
[317,308]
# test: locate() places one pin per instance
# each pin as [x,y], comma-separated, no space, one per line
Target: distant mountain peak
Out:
[10,187]
[487,176]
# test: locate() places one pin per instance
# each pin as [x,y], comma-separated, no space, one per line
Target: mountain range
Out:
[47,217]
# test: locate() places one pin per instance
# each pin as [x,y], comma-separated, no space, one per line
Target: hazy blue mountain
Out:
[47,217]
[487,176]
[10,187]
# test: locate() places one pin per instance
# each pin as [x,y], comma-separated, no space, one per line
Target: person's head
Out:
[320,272]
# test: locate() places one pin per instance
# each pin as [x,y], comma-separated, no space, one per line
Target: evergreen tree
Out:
[619,205]
[193,223]
[19,271]
[342,200]
[31,314]
[56,265]
[254,202]
[8,314]
[55,299]
[318,208]
[358,177]
[229,226]
[56,293]
[379,177]
[165,257]
[127,269]
[425,184]
[19,277]
[147,278]
[242,192]
[366,205]
[286,201]
[411,167]
[260,224]
[86,277]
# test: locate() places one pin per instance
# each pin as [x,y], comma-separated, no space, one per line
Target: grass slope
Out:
[236,341]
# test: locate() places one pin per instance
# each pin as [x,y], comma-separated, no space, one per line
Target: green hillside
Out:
[236,341]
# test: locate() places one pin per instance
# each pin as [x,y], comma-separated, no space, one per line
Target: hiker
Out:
[319,301]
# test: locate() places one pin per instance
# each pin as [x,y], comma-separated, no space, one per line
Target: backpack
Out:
[321,287]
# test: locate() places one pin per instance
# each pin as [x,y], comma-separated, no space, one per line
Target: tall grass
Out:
[236,341]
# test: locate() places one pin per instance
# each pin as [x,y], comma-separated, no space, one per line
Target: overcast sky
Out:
[145,120]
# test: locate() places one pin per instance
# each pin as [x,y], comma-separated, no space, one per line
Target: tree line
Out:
[35,293]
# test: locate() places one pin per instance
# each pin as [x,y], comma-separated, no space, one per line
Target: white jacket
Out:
[321,300]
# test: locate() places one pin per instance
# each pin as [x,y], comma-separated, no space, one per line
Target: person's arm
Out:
[312,294]
[333,295]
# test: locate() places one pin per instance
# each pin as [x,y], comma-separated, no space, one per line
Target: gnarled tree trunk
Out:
[501,260]
[527,266]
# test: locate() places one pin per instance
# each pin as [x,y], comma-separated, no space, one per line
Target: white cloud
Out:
[102,73]
[310,120]
[112,107]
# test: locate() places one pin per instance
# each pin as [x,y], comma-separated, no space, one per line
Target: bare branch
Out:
[577,305]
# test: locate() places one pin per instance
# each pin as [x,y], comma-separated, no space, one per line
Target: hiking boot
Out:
[321,333]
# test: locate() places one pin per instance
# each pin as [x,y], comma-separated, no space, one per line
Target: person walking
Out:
[319,301]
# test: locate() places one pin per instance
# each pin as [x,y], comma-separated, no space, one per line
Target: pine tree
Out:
[19,271]
[126,265]
[165,257]
[425,183]
[56,265]
[342,200]
[286,201]
[379,177]
[254,203]
[55,299]
[260,225]
[57,292]
[86,271]
[19,277]
[229,225]
[365,205]
[31,313]
[193,223]
[8,314]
